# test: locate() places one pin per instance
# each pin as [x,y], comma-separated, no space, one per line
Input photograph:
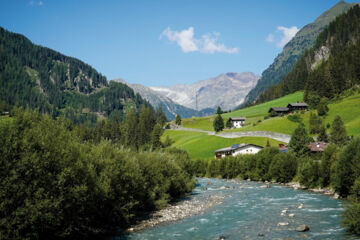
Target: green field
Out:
[253,114]
[202,146]
[348,108]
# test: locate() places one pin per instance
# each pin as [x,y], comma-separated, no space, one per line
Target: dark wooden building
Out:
[279,110]
[297,106]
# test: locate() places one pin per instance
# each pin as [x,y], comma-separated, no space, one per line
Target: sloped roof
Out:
[237,146]
[279,109]
[318,146]
[302,104]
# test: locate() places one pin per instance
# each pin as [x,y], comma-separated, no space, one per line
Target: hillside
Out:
[202,146]
[293,50]
[170,108]
[226,90]
[255,115]
[328,68]
[40,78]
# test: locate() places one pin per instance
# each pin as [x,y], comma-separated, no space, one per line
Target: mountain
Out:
[293,50]
[40,78]
[330,67]
[170,108]
[226,90]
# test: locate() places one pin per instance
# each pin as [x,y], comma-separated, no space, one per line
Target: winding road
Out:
[277,136]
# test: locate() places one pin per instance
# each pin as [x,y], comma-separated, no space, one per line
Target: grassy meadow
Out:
[202,146]
[347,107]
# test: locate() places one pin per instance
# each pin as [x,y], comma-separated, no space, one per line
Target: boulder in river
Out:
[222,238]
[302,228]
[283,223]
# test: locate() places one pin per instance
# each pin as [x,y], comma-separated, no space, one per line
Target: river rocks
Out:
[222,238]
[178,211]
[302,228]
[283,223]
[204,188]
[336,196]
[292,215]
[301,206]
[261,235]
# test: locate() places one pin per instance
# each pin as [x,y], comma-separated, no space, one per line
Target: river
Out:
[249,211]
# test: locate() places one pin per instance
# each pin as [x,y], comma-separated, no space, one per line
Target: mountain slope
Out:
[226,90]
[170,108]
[330,67]
[40,78]
[293,50]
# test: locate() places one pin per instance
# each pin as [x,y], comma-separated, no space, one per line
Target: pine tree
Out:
[322,135]
[299,141]
[338,134]
[218,123]
[160,116]
[219,111]
[155,137]
[228,124]
[178,120]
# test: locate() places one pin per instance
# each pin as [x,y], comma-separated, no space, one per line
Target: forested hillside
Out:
[328,68]
[293,50]
[40,78]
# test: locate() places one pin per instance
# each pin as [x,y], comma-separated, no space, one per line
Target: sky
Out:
[163,42]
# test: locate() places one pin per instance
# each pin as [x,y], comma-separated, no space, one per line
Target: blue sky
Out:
[163,42]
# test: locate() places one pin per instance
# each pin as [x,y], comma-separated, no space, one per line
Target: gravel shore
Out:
[177,211]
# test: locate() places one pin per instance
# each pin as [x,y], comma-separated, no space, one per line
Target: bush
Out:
[294,118]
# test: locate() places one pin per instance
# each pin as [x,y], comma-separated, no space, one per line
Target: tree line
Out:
[59,180]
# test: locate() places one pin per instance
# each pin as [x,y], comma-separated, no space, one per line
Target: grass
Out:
[202,146]
[348,108]
[252,114]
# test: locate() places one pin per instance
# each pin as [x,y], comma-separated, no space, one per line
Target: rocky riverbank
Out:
[177,211]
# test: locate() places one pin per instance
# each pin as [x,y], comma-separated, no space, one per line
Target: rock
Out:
[204,188]
[301,206]
[302,228]
[261,234]
[248,179]
[283,223]
[284,211]
[222,238]
[336,196]
[292,215]
[209,183]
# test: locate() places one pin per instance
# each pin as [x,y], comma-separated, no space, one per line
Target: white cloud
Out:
[270,38]
[288,34]
[41,3]
[38,3]
[208,43]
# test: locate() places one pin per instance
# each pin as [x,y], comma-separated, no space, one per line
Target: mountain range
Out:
[170,108]
[227,90]
[293,50]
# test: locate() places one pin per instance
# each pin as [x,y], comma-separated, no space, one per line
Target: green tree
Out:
[267,143]
[299,141]
[160,116]
[338,134]
[228,123]
[155,137]
[178,120]
[219,110]
[218,123]
[322,135]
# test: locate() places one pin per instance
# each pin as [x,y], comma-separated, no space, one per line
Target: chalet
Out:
[297,106]
[237,149]
[5,113]
[316,147]
[274,111]
[283,148]
[237,122]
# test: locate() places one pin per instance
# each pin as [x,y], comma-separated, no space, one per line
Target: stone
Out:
[222,238]
[301,205]
[283,223]
[302,228]
[261,234]
[292,215]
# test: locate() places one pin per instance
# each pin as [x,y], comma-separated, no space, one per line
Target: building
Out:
[237,122]
[237,149]
[283,148]
[275,111]
[297,106]
[316,147]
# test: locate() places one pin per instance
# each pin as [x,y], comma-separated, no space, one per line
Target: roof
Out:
[237,146]
[279,109]
[302,104]
[238,118]
[318,146]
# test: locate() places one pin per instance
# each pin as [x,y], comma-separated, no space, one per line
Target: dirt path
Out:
[277,136]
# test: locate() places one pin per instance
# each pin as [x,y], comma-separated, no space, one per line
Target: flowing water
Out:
[249,210]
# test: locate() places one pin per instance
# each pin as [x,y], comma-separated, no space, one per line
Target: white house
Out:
[237,122]
[237,149]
